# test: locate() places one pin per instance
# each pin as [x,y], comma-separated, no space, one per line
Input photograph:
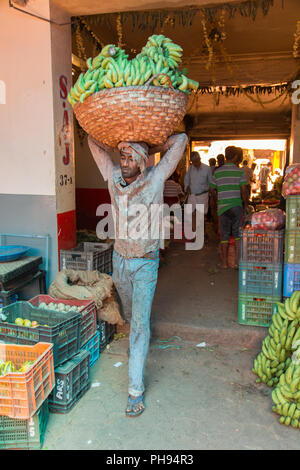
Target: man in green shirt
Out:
[229,187]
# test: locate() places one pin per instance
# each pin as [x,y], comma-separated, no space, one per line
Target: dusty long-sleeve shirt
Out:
[136,206]
[198,179]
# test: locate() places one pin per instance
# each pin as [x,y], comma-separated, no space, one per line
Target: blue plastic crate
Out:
[258,278]
[93,346]
[291,279]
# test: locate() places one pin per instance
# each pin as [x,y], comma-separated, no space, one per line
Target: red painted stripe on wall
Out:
[66,230]
[87,201]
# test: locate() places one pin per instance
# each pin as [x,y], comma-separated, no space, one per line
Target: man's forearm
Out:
[176,145]
[173,139]
[101,156]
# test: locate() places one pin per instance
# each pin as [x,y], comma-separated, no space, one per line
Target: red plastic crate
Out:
[88,324]
[22,393]
[261,246]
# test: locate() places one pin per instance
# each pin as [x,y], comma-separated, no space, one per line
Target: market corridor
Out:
[197,300]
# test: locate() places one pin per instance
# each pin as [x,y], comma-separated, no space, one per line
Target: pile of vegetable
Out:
[276,366]
[270,219]
[291,183]
[160,58]
[9,366]
[59,307]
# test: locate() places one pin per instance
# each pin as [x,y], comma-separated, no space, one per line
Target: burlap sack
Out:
[83,285]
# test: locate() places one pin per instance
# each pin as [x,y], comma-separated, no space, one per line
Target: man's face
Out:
[196,161]
[129,167]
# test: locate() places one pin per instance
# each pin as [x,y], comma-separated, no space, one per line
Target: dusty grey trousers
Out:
[135,280]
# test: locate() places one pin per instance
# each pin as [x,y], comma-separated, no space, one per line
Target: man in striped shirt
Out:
[229,187]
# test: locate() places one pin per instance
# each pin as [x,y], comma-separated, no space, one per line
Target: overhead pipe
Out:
[24,2]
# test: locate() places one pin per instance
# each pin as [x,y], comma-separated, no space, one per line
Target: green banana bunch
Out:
[284,332]
[160,59]
[286,396]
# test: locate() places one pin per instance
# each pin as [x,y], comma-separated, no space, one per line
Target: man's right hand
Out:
[167,145]
[105,147]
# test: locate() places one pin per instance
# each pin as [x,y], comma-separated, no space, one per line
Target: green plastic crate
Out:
[257,278]
[27,434]
[292,246]
[257,310]
[71,378]
[293,212]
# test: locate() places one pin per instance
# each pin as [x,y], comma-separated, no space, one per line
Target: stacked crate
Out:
[90,256]
[24,395]
[75,347]
[292,246]
[260,275]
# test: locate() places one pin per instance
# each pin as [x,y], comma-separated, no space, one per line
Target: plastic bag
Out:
[291,182]
[270,219]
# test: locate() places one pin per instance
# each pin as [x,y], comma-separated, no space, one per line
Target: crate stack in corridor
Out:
[260,275]
[291,276]
[62,340]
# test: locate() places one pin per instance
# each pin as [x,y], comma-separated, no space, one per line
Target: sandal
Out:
[135,406]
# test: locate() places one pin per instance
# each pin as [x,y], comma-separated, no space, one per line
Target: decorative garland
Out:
[296,53]
[153,19]
[251,89]
[120,31]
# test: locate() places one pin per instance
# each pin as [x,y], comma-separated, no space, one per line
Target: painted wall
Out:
[61,54]
[26,120]
[35,128]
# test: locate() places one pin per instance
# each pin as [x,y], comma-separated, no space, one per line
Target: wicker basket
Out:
[138,114]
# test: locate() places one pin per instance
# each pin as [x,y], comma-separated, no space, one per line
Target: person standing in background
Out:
[229,189]
[264,178]
[220,160]
[196,185]
[249,176]
[212,163]
[172,190]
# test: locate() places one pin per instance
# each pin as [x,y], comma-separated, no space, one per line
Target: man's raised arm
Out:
[101,157]
[175,146]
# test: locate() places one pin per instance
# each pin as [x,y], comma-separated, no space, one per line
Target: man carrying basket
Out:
[133,185]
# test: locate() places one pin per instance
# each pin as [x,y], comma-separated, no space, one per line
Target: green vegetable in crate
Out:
[160,59]
[19,321]
[277,347]
[25,366]
[7,367]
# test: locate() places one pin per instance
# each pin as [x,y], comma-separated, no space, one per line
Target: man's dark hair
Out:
[231,153]
[212,161]
[194,154]
[245,162]
[221,159]
[269,164]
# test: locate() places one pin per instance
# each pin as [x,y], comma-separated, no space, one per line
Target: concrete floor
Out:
[197,398]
